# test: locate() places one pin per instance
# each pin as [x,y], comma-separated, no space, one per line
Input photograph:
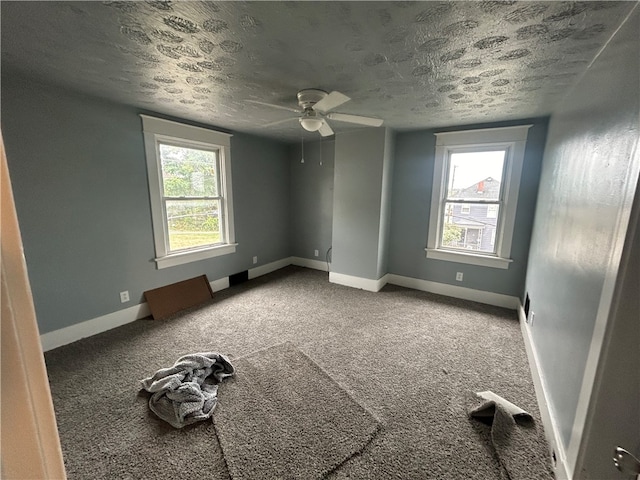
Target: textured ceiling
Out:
[414,64]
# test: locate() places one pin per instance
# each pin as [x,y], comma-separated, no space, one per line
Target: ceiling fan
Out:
[314,111]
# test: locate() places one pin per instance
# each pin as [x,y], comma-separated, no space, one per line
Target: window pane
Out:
[188,172]
[193,223]
[474,175]
[474,230]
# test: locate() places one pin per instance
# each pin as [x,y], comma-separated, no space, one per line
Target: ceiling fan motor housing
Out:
[309,97]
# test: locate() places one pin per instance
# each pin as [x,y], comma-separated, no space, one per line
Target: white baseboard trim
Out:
[269,267]
[358,282]
[552,434]
[464,293]
[219,284]
[72,333]
[78,331]
[309,263]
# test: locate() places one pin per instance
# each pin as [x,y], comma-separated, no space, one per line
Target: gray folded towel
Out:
[187,392]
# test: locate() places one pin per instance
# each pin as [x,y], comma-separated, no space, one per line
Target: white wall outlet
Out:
[459,276]
[315,252]
[531,317]
[124,296]
[255,260]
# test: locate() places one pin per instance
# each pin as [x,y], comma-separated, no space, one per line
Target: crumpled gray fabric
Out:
[187,392]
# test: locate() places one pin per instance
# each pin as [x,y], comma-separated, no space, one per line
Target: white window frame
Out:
[156,131]
[513,140]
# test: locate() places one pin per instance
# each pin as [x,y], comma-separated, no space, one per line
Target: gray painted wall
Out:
[615,409]
[78,170]
[78,167]
[311,198]
[588,180]
[358,184]
[410,210]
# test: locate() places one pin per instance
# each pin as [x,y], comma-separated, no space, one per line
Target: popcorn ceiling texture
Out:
[414,64]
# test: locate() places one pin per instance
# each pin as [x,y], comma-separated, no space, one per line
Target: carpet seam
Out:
[358,452]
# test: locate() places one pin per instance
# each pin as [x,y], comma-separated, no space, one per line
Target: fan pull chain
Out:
[321,152]
[302,155]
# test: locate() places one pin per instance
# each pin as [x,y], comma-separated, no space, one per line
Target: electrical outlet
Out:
[315,252]
[533,315]
[124,296]
[255,260]
[459,276]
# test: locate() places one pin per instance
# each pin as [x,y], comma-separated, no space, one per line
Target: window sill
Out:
[180,258]
[469,258]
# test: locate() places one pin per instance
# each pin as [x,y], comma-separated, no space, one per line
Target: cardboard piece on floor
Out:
[170,299]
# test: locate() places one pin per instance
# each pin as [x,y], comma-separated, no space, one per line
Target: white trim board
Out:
[552,434]
[490,298]
[358,282]
[309,263]
[269,267]
[464,293]
[72,333]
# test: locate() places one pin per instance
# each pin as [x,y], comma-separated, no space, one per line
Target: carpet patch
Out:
[282,416]
[517,444]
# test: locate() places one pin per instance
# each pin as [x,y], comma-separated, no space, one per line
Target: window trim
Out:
[513,139]
[158,131]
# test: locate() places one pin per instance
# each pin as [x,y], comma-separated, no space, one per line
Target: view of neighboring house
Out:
[472,226]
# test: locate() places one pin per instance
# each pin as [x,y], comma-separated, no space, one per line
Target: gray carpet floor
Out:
[301,423]
[409,358]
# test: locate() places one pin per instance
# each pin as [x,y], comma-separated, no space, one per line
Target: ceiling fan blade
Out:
[345,117]
[289,109]
[271,124]
[331,101]
[325,129]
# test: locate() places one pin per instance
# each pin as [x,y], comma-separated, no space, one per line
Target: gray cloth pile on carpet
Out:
[187,392]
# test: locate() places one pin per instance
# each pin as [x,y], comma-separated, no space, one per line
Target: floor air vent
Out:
[237,278]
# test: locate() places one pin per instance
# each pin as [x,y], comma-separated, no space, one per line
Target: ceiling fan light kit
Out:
[315,105]
[310,121]
[311,124]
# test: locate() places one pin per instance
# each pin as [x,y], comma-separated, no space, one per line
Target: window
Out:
[474,195]
[472,188]
[190,190]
